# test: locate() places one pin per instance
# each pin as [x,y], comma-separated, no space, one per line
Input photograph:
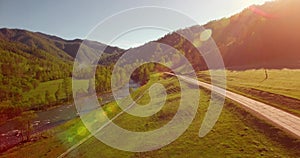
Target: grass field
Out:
[281,89]
[236,134]
[52,86]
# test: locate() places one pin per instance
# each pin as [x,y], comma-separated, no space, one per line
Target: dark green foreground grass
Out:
[234,135]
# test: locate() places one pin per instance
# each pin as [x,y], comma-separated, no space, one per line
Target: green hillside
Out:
[30,59]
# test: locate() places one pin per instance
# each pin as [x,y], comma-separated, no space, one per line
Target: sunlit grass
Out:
[280,83]
[284,82]
[52,86]
[231,136]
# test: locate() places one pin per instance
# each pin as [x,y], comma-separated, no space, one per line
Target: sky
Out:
[71,19]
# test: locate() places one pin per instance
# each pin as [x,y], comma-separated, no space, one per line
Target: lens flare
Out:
[156,52]
[110,109]
[70,139]
[101,116]
[205,35]
[260,12]
[81,131]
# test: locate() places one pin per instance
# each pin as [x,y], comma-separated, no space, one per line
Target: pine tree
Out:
[47,97]
[66,86]
[59,92]
[91,88]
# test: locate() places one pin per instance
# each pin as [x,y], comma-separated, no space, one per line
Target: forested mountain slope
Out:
[265,36]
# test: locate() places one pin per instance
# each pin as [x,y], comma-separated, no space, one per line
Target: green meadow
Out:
[236,133]
[280,89]
[52,87]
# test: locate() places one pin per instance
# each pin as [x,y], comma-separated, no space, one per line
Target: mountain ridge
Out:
[57,46]
[261,36]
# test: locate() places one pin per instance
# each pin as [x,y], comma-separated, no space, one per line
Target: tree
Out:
[100,99]
[59,93]
[131,90]
[26,125]
[40,101]
[91,88]
[35,83]
[266,75]
[66,86]
[49,99]
[146,76]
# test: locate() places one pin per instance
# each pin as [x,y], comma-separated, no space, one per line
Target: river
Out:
[10,132]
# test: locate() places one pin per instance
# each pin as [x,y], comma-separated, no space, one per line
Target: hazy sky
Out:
[72,19]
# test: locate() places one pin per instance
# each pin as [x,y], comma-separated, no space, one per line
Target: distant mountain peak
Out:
[59,47]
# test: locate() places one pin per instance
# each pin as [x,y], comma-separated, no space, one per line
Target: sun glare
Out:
[247,3]
[257,1]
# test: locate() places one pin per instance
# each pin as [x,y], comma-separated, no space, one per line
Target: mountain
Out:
[265,36]
[42,57]
[29,58]
[56,46]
